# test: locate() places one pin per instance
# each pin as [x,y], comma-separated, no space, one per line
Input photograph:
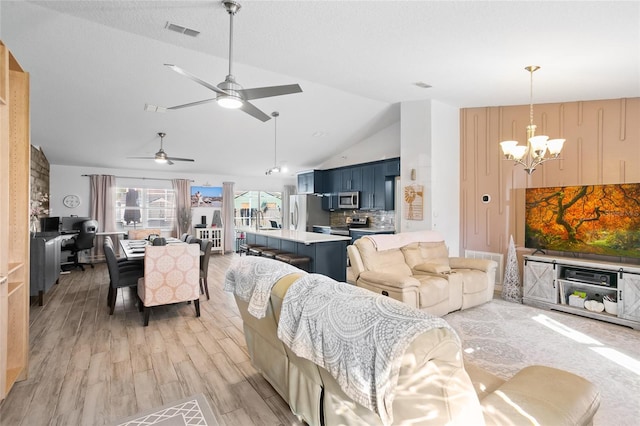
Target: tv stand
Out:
[549,281]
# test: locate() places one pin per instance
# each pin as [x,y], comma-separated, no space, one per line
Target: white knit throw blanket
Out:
[355,334]
[251,278]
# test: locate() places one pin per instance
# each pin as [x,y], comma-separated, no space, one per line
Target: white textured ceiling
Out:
[94,65]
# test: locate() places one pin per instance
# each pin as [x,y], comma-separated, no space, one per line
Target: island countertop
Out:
[299,237]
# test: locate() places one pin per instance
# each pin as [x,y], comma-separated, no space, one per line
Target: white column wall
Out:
[429,135]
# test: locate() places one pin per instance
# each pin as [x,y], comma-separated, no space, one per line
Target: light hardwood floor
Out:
[89,368]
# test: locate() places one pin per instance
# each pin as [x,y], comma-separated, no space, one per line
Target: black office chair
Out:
[159,241]
[83,241]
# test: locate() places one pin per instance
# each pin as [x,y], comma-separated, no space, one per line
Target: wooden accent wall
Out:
[602,147]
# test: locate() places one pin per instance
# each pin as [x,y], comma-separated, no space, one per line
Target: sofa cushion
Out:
[431,267]
[434,253]
[391,261]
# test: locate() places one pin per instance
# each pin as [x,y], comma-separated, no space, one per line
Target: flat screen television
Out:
[592,219]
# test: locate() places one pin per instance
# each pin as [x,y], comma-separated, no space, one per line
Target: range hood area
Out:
[374,184]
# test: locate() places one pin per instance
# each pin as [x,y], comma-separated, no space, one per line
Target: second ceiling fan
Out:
[230,94]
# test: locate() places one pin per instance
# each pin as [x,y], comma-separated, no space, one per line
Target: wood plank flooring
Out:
[89,368]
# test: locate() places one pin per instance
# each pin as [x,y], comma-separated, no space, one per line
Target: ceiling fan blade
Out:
[180,159]
[206,101]
[169,162]
[266,92]
[253,111]
[141,158]
[196,79]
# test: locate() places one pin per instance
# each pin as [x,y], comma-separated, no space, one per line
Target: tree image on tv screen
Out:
[597,219]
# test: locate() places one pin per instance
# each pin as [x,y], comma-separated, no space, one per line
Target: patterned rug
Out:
[192,411]
[504,337]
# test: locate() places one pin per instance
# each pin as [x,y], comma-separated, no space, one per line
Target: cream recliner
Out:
[433,388]
[415,268]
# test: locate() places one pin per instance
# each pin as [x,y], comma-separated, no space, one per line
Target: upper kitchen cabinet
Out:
[372,196]
[311,182]
[351,178]
[392,167]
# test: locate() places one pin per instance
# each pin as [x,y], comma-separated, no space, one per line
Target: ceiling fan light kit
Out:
[161,156]
[230,94]
[275,168]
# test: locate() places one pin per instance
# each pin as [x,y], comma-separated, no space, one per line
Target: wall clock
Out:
[71,201]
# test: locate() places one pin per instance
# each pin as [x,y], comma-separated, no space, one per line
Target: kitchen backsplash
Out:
[379,219]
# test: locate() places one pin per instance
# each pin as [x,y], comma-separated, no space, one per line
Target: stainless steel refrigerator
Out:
[306,211]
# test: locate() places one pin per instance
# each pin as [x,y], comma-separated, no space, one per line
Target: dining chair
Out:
[171,275]
[122,273]
[184,236]
[205,247]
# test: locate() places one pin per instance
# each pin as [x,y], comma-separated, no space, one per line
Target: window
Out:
[248,203]
[145,208]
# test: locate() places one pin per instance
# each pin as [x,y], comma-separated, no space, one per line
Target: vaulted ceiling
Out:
[95,64]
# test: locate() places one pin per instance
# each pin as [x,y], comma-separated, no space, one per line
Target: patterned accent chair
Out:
[171,275]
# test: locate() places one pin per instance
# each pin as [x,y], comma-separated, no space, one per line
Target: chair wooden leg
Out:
[197,305]
[109,295]
[112,300]
[147,311]
[206,288]
[140,304]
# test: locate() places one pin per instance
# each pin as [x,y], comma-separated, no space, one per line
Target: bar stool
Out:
[256,250]
[244,247]
[296,260]
[271,253]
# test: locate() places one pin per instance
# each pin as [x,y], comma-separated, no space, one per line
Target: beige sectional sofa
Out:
[433,386]
[415,268]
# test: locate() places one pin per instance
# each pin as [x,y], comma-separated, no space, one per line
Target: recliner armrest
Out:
[467,263]
[391,280]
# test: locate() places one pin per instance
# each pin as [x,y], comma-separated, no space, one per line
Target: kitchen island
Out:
[328,253]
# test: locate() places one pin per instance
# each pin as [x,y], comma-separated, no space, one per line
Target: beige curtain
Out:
[287,191]
[102,208]
[228,199]
[182,187]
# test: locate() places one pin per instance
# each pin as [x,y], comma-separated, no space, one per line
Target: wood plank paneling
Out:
[602,146]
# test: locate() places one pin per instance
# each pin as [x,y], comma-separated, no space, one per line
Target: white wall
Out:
[429,135]
[384,144]
[69,180]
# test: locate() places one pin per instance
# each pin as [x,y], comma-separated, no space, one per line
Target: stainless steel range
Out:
[352,222]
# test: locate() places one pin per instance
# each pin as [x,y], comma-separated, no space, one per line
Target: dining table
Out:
[134,249]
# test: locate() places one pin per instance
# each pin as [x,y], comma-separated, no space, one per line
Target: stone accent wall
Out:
[39,174]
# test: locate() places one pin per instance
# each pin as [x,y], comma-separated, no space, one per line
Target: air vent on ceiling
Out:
[182,30]
[154,108]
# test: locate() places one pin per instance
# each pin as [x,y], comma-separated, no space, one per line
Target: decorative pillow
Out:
[435,268]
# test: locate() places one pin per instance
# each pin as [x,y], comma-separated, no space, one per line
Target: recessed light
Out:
[423,85]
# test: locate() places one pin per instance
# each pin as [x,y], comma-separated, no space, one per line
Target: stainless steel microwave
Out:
[349,200]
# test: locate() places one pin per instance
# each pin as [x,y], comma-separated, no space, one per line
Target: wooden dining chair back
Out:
[171,275]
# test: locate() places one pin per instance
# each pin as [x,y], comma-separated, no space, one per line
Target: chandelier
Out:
[535,151]
[275,168]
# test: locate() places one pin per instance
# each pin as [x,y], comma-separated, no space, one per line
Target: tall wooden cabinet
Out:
[14,221]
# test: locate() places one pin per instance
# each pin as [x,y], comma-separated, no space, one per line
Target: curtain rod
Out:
[142,178]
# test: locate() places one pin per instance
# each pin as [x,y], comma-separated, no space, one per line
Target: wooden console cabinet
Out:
[14,221]
[549,281]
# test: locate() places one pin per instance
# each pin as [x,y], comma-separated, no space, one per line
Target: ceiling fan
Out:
[161,157]
[230,94]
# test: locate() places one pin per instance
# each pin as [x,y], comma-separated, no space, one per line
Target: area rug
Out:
[191,411]
[503,337]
